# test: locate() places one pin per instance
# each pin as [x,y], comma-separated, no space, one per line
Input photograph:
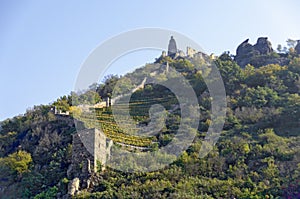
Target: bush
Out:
[18,161]
[48,194]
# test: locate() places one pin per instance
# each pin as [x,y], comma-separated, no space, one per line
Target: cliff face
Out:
[62,157]
[48,140]
[259,54]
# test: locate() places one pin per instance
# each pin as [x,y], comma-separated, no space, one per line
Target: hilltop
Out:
[257,155]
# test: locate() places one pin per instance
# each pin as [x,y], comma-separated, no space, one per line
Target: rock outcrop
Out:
[259,54]
[73,187]
[245,49]
[297,47]
[263,46]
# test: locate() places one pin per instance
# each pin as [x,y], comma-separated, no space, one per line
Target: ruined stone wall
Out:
[190,52]
[81,159]
[102,146]
[88,147]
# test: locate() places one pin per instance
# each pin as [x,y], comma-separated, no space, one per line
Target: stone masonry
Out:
[89,146]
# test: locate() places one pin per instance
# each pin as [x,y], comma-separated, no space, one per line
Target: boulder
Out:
[73,186]
[244,52]
[263,46]
[259,54]
[244,48]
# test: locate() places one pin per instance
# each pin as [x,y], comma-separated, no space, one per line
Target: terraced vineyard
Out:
[102,118]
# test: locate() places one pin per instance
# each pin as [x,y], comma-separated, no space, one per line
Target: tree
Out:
[18,161]
[124,86]
[259,97]
[291,43]
[63,103]
[279,48]
[105,90]
[231,74]
[48,194]
[89,97]
[225,56]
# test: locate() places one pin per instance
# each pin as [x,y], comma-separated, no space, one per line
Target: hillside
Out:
[257,155]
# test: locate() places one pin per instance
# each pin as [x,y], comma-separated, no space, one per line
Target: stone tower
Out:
[88,147]
[172,48]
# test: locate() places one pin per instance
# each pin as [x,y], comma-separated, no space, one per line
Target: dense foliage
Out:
[257,155]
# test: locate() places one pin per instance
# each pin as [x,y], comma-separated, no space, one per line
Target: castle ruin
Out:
[90,152]
[172,47]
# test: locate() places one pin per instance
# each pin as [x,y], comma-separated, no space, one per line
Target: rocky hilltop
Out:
[259,54]
[45,153]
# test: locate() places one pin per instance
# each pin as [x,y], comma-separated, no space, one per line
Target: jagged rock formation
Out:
[297,47]
[259,54]
[263,46]
[245,49]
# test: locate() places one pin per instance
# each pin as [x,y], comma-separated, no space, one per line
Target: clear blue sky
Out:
[43,43]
